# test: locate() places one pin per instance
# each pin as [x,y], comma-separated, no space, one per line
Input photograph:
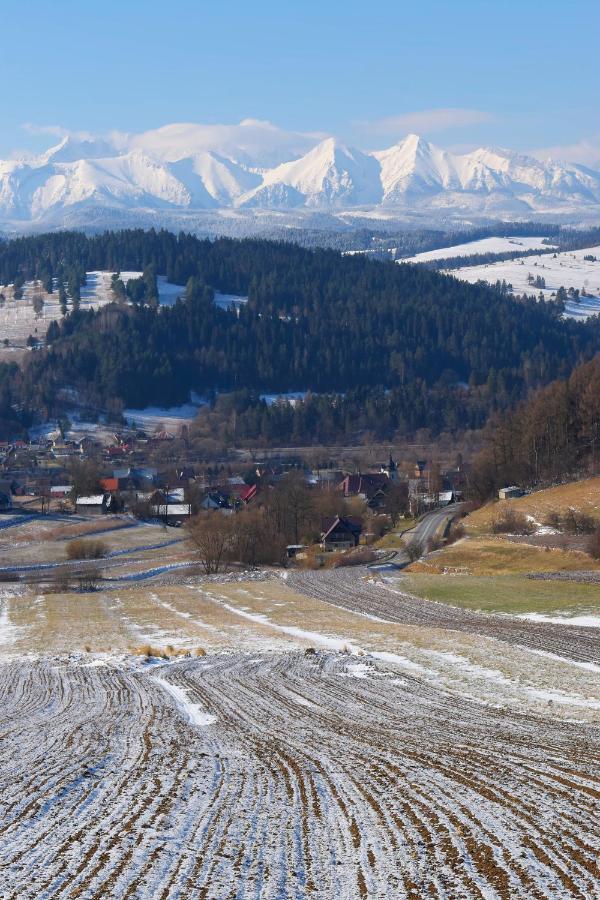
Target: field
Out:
[485,245]
[568,270]
[499,556]
[507,594]
[493,572]
[18,318]
[285,734]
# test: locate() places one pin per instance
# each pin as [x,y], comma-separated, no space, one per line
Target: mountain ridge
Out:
[256,166]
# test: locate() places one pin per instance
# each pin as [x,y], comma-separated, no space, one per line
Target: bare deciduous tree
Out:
[414,549]
[211,533]
[256,540]
[396,502]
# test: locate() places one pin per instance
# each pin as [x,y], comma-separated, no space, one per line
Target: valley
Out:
[243,642]
[300,451]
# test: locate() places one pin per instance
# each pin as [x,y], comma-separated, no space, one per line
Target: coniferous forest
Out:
[395,348]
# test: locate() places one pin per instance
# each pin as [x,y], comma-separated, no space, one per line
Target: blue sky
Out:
[518,74]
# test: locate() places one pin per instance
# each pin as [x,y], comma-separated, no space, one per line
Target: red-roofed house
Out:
[247,493]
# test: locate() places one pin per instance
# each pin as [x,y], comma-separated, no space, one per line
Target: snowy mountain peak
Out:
[70,149]
[189,167]
[330,174]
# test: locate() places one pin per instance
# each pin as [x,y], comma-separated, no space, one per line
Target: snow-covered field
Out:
[568,270]
[171,417]
[485,245]
[18,319]
[322,735]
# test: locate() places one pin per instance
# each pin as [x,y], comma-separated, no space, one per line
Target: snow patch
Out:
[193,712]
[581,621]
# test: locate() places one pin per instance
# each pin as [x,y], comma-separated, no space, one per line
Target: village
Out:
[151,477]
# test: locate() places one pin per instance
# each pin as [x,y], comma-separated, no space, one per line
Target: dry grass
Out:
[90,549]
[496,556]
[580,495]
[40,530]
[168,652]
[393,540]
[360,556]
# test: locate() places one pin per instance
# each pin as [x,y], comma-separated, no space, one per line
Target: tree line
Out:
[413,347]
[552,436]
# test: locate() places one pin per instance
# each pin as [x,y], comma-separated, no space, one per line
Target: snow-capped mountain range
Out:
[256,166]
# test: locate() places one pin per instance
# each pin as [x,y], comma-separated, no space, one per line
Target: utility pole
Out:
[166,506]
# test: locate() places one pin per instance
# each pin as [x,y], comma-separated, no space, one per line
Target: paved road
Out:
[426,528]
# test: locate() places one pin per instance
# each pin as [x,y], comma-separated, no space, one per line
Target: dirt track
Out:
[359,590]
[319,776]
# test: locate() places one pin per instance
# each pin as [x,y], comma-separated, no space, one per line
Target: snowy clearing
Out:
[229,301]
[19,320]
[485,245]
[152,417]
[568,270]
[291,397]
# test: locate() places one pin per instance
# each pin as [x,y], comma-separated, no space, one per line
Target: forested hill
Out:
[314,321]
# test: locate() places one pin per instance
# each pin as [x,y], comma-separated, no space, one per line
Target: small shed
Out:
[94,505]
[293,550]
[60,491]
[510,493]
[172,513]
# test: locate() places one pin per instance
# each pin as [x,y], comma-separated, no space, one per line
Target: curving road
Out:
[426,529]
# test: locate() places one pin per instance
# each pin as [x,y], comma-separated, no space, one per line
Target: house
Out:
[216,500]
[6,496]
[160,496]
[147,473]
[110,484]
[61,448]
[293,550]
[371,487]
[94,505]
[86,444]
[246,493]
[135,478]
[116,451]
[340,533]
[510,493]
[163,436]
